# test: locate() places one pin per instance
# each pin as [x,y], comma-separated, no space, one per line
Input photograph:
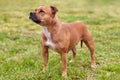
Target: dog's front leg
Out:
[64,64]
[45,56]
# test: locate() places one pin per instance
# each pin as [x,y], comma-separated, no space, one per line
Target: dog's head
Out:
[43,15]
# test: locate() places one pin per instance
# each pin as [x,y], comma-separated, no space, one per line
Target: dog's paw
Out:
[44,69]
[93,66]
[64,75]
[71,61]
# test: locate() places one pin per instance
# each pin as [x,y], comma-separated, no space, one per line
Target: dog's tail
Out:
[81,43]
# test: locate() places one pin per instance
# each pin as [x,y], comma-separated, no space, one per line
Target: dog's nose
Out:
[31,13]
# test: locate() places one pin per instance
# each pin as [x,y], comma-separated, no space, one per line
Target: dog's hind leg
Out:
[74,55]
[90,45]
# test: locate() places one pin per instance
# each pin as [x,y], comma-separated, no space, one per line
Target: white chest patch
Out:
[49,41]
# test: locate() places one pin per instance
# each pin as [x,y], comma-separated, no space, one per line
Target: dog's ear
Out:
[53,10]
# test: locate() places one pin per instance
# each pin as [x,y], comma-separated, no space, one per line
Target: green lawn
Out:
[20,49]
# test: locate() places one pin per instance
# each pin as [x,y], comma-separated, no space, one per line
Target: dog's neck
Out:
[54,27]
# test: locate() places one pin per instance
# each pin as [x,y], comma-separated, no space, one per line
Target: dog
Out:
[61,38]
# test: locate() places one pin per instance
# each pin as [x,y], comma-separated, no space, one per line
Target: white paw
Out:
[93,66]
[71,61]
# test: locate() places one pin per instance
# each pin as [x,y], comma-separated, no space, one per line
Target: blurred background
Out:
[20,49]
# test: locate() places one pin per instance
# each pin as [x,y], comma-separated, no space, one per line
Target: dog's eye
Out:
[41,11]
[35,9]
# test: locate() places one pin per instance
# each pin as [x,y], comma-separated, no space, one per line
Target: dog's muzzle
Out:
[34,18]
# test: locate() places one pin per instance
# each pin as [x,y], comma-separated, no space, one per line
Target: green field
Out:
[20,49]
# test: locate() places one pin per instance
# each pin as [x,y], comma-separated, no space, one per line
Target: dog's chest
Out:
[49,41]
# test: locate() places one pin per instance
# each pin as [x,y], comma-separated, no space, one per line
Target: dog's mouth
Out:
[34,18]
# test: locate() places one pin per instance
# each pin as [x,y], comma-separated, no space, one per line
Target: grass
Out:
[20,49]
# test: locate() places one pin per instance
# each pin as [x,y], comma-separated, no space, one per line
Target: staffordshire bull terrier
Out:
[61,37]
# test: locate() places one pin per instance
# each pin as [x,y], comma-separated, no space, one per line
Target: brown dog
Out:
[61,37]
